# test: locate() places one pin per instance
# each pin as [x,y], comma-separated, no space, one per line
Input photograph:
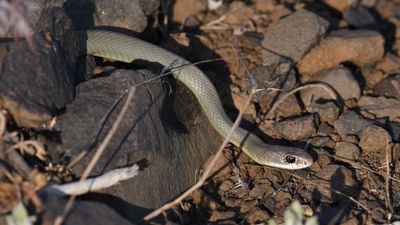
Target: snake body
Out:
[120,47]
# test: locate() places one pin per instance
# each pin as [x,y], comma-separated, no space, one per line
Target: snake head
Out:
[286,157]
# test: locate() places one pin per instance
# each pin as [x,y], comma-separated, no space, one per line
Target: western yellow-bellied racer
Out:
[120,47]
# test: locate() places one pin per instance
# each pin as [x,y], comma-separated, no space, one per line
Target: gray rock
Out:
[381,107]
[92,212]
[374,139]
[291,37]
[350,123]
[169,137]
[325,129]
[87,14]
[340,79]
[389,87]
[36,84]
[297,128]
[347,150]
[322,142]
[328,111]
[360,18]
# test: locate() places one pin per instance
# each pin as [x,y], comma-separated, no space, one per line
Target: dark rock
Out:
[350,123]
[84,212]
[322,142]
[381,107]
[297,128]
[328,111]
[36,83]
[395,131]
[347,150]
[389,87]
[87,14]
[291,37]
[338,178]
[340,79]
[169,137]
[325,129]
[360,18]
[374,139]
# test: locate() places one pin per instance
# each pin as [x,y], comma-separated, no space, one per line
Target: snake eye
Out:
[290,159]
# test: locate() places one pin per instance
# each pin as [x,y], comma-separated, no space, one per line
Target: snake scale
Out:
[124,48]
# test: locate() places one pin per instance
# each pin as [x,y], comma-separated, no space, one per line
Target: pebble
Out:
[217,215]
[292,37]
[381,107]
[340,79]
[341,5]
[350,123]
[361,47]
[297,128]
[328,111]
[389,87]
[257,217]
[325,129]
[360,18]
[260,191]
[339,178]
[347,150]
[322,142]
[374,139]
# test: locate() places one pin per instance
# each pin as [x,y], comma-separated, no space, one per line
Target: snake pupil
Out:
[290,159]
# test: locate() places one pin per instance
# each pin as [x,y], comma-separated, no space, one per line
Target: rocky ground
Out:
[334,63]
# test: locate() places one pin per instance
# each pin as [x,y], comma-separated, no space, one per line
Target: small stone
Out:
[328,111]
[360,18]
[260,191]
[320,142]
[292,37]
[350,123]
[381,107]
[351,221]
[257,216]
[297,128]
[368,3]
[390,64]
[374,139]
[217,215]
[347,150]
[322,161]
[389,87]
[340,79]
[371,75]
[338,178]
[265,6]
[325,129]
[341,5]
[248,205]
[186,8]
[232,202]
[226,185]
[361,47]
[239,13]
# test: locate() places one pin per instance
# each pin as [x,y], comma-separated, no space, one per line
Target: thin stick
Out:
[331,189]
[306,86]
[387,183]
[207,170]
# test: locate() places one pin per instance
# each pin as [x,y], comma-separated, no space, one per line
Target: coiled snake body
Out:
[120,47]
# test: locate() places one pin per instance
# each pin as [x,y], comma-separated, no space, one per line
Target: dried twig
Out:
[388,201]
[101,182]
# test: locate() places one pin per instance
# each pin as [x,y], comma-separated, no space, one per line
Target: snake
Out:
[121,47]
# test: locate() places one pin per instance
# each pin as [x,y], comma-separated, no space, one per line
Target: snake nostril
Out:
[290,159]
